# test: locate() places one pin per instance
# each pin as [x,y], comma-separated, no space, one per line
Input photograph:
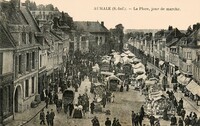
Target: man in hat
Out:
[95,121]
[92,105]
[42,117]
[107,122]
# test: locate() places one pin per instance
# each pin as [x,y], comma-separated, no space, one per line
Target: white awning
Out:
[178,72]
[138,65]
[194,88]
[161,62]
[138,70]
[181,79]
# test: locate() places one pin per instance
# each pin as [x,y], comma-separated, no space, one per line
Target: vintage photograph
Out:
[99,62]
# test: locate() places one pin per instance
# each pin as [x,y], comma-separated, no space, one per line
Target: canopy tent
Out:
[107,73]
[106,57]
[194,88]
[139,70]
[105,61]
[138,65]
[127,52]
[113,77]
[161,62]
[143,76]
[181,78]
[117,59]
[125,60]
[149,83]
[99,84]
[123,54]
[136,60]
[177,72]
[153,79]
[131,55]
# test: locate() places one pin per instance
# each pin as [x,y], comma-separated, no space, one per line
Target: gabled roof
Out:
[90,26]
[13,15]
[29,18]
[5,39]
[173,42]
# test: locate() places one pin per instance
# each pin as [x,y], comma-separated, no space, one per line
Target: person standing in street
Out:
[152,120]
[107,122]
[52,115]
[164,82]
[114,122]
[133,118]
[142,111]
[47,101]
[42,117]
[48,118]
[180,122]
[95,121]
[92,105]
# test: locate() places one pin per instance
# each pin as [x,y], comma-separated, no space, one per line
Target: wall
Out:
[7,62]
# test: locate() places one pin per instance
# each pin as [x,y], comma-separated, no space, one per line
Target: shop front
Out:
[193,90]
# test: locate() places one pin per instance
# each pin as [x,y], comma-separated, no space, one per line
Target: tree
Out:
[120,34]
[49,7]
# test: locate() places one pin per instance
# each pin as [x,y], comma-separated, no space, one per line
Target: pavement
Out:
[189,105]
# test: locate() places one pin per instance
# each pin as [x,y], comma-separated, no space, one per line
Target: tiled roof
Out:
[5,40]
[29,18]
[13,16]
[90,26]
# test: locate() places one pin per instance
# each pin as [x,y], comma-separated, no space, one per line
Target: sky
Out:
[187,12]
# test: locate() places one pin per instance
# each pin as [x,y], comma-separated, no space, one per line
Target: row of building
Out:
[34,49]
[172,51]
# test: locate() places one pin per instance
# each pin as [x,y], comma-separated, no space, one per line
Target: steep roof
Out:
[5,39]
[13,15]
[29,18]
[90,26]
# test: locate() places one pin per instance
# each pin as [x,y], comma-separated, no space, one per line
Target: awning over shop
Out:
[178,72]
[161,62]
[181,79]
[139,70]
[194,88]
[187,80]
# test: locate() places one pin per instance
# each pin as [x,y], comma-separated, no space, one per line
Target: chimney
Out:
[16,3]
[102,23]
[194,27]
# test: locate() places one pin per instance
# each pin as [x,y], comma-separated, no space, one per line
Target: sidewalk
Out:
[189,105]
[21,119]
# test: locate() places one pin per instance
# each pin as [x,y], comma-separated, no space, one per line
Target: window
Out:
[30,37]
[189,55]
[27,61]
[40,60]
[1,63]
[33,85]
[198,58]
[83,38]
[26,88]
[20,64]
[23,37]
[189,68]
[33,60]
